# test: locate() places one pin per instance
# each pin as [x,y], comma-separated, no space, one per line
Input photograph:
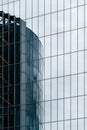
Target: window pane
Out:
[54,110]
[74,63]
[60,65]
[60,43]
[74,85]
[60,109]
[67,86]
[80,107]
[47,111]
[80,39]
[67,42]
[67,108]
[80,84]
[73,3]
[54,66]
[80,17]
[47,90]
[73,108]
[60,87]
[67,20]
[80,61]
[80,2]
[67,64]
[67,3]
[73,124]
[60,4]
[54,45]
[54,23]
[54,88]
[60,21]
[74,41]
[74,18]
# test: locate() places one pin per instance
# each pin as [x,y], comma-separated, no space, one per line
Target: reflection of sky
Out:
[57,42]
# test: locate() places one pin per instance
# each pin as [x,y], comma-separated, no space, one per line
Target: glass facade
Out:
[58,82]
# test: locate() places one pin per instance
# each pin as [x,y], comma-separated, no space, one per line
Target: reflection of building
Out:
[19,47]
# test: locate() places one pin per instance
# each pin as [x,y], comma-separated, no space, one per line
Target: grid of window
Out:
[61,27]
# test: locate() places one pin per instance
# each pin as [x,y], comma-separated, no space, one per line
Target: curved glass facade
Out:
[19,73]
[61,26]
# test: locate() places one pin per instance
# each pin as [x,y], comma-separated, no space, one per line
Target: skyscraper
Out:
[19,90]
[61,26]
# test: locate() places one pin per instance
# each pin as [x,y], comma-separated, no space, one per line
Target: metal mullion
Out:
[44,65]
[57,65]
[63,65]
[70,66]
[3,65]
[14,68]
[8,67]
[50,65]
[84,64]
[2,81]
[77,65]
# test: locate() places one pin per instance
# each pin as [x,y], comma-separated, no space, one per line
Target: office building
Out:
[61,26]
[19,73]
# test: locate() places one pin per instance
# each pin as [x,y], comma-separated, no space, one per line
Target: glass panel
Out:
[67,125]
[54,110]
[80,17]
[60,65]
[67,108]
[47,68]
[80,107]
[74,85]
[67,4]
[54,45]
[60,4]
[74,41]
[47,46]
[47,90]
[81,124]
[67,86]
[60,87]
[47,111]
[67,42]
[67,64]
[67,20]
[54,88]
[54,23]
[74,18]
[73,108]
[74,63]
[60,43]
[47,6]
[60,125]
[60,21]
[80,39]
[85,106]
[60,109]
[41,7]
[80,61]
[41,26]
[54,5]
[73,3]
[35,8]
[47,24]
[80,84]
[54,66]
[80,2]
[73,124]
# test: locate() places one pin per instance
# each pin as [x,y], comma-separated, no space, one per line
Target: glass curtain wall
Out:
[61,27]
